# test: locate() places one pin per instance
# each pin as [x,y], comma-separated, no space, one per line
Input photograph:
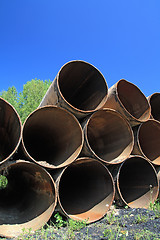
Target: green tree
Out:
[11,95]
[31,96]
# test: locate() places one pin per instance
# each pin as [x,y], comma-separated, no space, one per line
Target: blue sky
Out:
[120,37]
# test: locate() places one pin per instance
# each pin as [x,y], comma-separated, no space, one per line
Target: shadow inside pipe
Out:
[133,100]
[82,85]
[28,193]
[86,186]
[138,182]
[155,105]
[10,129]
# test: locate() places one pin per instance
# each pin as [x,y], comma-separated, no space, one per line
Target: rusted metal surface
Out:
[78,87]
[136,183]
[147,140]
[10,131]
[154,101]
[107,137]
[28,200]
[52,137]
[158,176]
[126,98]
[85,190]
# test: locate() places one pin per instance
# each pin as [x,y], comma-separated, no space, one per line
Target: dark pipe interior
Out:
[109,136]
[52,135]
[138,182]
[10,129]
[155,106]
[82,85]
[133,100]
[149,140]
[28,194]
[85,185]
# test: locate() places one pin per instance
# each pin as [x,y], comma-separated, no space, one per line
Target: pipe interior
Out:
[155,106]
[86,190]
[10,130]
[52,136]
[82,86]
[109,136]
[29,193]
[149,140]
[133,100]
[138,182]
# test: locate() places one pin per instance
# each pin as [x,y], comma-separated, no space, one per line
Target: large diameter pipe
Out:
[147,141]
[28,200]
[85,190]
[126,98]
[78,87]
[52,137]
[136,183]
[10,131]
[154,101]
[108,137]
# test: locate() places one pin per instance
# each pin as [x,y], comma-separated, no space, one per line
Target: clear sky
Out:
[119,37]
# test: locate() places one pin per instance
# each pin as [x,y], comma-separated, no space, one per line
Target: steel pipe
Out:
[154,101]
[52,137]
[108,137]
[78,87]
[126,98]
[147,141]
[85,190]
[136,183]
[28,200]
[10,131]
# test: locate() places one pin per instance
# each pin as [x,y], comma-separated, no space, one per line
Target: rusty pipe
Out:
[107,137]
[136,183]
[52,137]
[154,101]
[126,98]
[147,140]
[85,190]
[10,130]
[78,87]
[28,200]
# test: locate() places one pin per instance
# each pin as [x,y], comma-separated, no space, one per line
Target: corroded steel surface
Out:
[78,87]
[52,137]
[28,200]
[85,190]
[147,140]
[126,98]
[136,183]
[10,131]
[107,137]
[154,101]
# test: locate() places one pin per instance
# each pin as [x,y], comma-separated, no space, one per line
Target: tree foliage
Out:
[29,99]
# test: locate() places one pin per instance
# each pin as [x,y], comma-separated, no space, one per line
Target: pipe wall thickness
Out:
[126,98]
[78,87]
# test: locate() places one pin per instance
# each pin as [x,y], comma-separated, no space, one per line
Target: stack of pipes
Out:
[82,148]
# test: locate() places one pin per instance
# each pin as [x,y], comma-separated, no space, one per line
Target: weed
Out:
[59,220]
[144,234]
[3,181]
[141,218]
[111,218]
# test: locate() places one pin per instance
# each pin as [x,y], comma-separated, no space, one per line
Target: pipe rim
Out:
[100,105]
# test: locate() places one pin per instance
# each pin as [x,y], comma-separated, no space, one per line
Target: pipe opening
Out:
[52,137]
[133,100]
[86,190]
[29,193]
[137,182]
[149,140]
[10,130]
[82,86]
[109,136]
[155,105]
